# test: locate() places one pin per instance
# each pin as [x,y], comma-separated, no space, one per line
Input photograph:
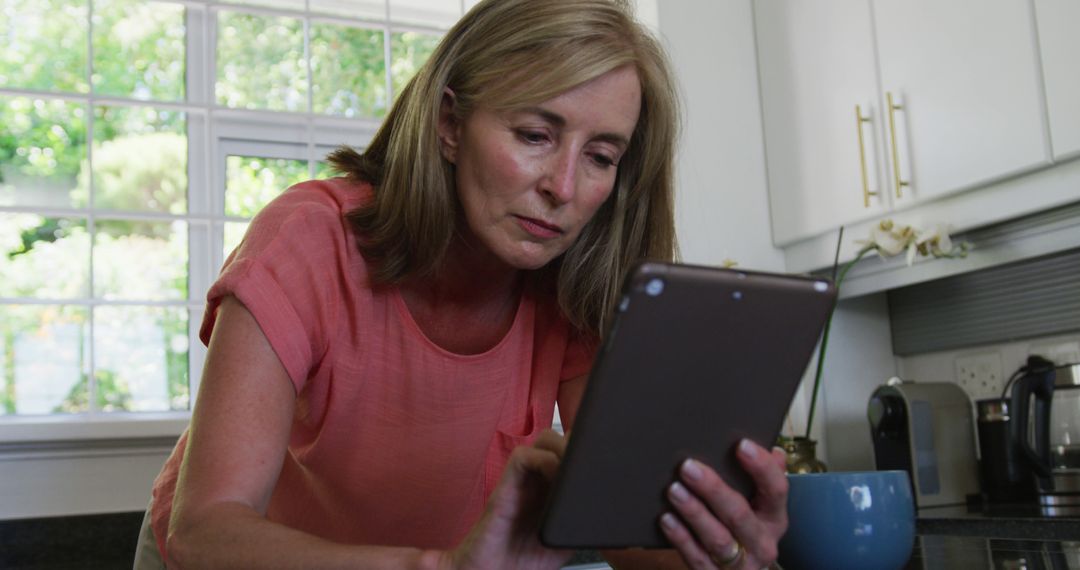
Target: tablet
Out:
[695,359]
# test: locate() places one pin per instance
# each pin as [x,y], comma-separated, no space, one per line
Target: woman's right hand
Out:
[508,535]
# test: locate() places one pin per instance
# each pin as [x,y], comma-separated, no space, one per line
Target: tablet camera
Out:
[654,287]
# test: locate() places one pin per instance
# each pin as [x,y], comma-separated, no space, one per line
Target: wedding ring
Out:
[730,560]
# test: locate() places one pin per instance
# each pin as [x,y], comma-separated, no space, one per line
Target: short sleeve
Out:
[286,272]
[578,358]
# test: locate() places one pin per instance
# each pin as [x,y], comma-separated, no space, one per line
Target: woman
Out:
[386,348]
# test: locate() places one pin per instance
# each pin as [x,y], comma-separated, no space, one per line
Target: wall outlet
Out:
[980,375]
[1066,352]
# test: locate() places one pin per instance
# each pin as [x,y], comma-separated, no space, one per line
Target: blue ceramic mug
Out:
[858,520]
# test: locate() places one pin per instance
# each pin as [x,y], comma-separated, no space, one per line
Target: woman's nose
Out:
[560,181]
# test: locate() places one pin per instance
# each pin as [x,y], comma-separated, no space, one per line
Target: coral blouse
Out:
[395,441]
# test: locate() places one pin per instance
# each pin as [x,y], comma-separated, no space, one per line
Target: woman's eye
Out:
[533,137]
[604,160]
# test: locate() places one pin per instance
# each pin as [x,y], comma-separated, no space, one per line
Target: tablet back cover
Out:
[687,371]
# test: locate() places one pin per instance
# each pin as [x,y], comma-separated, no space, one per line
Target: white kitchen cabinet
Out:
[963,77]
[816,64]
[1060,45]
[966,74]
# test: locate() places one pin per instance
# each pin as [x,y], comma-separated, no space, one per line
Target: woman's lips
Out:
[539,228]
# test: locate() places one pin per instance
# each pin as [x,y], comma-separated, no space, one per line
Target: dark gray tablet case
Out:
[696,359]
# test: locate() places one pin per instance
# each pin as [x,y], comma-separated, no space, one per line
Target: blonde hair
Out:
[506,54]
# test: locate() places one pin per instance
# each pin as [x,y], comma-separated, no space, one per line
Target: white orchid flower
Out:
[937,243]
[889,239]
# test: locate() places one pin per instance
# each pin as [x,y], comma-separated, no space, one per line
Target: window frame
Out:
[213,132]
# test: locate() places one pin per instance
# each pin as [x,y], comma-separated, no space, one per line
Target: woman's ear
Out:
[449,126]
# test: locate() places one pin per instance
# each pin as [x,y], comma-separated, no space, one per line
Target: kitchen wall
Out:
[723,209]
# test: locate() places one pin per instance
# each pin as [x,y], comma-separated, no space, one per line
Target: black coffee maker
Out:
[1014,437]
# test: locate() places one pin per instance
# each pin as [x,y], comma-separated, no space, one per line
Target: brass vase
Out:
[801,455]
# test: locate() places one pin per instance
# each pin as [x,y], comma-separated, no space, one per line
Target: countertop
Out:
[1008,537]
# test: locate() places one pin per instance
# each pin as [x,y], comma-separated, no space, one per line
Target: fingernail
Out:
[748,448]
[679,493]
[668,521]
[692,470]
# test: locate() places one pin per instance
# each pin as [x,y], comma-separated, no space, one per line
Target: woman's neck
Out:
[472,287]
[470,275]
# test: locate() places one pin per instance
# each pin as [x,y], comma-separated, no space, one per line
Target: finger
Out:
[731,508]
[524,469]
[712,536]
[535,460]
[550,440]
[769,477]
[684,541]
[780,456]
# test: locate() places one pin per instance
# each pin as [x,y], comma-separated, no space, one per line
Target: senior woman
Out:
[386,349]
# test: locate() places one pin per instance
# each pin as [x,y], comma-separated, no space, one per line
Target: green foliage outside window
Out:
[138,164]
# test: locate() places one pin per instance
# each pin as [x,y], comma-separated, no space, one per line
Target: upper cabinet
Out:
[948,93]
[819,96]
[1058,21]
[967,77]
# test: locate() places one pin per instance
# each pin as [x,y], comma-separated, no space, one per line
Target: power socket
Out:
[1066,352]
[980,375]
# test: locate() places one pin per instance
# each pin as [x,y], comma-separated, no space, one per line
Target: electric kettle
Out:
[1046,406]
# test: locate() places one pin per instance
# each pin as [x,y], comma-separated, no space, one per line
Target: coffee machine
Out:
[926,429]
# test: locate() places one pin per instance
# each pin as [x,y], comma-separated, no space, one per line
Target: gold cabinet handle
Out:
[866,193]
[893,108]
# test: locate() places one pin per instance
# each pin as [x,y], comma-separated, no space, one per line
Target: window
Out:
[137,140]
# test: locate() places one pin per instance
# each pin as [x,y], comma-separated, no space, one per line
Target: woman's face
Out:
[530,179]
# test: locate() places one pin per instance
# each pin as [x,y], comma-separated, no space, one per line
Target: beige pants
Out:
[147,556]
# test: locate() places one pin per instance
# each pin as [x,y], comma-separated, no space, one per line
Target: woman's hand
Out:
[713,526]
[507,536]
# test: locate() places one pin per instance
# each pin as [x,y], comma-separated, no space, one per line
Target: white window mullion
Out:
[388,58]
[91,227]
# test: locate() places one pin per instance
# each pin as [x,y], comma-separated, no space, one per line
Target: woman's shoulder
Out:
[336,195]
[307,219]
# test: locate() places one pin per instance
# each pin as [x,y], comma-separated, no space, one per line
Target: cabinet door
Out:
[1060,44]
[965,73]
[816,63]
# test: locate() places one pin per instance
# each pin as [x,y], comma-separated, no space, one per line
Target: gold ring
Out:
[732,559]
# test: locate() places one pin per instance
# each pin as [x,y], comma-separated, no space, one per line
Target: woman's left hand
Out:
[714,526]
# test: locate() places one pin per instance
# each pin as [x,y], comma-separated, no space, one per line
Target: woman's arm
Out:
[236,445]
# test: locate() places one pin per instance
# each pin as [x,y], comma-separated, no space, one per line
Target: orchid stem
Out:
[825,339]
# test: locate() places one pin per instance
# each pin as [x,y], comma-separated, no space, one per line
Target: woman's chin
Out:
[529,260]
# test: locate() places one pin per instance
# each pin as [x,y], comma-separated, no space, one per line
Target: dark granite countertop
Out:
[1009,536]
[977,536]
[955,552]
[1007,521]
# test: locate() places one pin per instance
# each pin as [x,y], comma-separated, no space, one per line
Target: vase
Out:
[801,455]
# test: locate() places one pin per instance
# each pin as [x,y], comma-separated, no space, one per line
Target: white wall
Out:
[859,358]
[722,204]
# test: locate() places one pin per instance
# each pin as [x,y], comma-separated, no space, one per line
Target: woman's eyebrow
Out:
[560,121]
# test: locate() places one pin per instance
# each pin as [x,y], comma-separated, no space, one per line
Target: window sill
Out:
[27,431]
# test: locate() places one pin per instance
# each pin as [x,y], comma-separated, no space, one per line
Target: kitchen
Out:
[1012,205]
